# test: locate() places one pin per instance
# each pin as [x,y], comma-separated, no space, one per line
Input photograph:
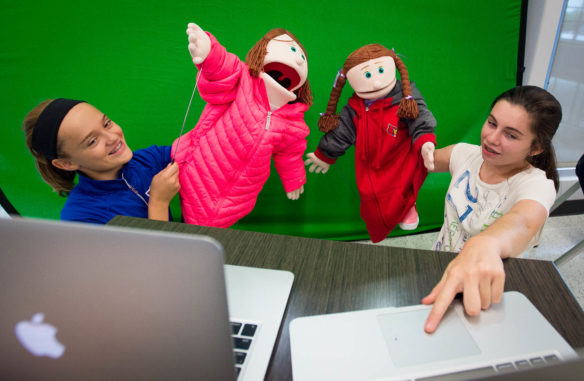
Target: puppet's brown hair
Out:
[408,108]
[255,61]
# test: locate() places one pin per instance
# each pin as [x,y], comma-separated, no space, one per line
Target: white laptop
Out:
[390,343]
[82,301]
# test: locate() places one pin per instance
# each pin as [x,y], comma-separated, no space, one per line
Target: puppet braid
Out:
[408,108]
[330,120]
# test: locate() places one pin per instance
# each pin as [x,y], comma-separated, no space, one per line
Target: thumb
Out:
[172,168]
[193,27]
[428,157]
[429,163]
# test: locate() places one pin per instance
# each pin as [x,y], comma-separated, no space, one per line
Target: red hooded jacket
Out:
[389,168]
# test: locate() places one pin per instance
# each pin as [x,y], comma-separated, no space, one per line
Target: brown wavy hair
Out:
[408,108]
[255,61]
[60,180]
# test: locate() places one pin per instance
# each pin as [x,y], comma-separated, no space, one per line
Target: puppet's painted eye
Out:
[293,49]
[380,70]
[304,58]
[367,74]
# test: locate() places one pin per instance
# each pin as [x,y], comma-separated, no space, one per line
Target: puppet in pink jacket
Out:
[255,111]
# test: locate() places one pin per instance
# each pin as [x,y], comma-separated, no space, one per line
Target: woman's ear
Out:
[536,150]
[64,164]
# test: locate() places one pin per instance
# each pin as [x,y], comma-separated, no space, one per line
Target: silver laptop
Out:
[81,301]
[390,343]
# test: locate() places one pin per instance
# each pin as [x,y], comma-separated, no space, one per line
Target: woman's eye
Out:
[367,74]
[511,136]
[380,70]
[91,142]
[293,49]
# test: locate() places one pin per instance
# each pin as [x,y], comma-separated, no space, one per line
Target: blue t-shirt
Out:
[98,201]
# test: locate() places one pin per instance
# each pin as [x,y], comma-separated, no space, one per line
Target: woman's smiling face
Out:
[88,141]
[506,136]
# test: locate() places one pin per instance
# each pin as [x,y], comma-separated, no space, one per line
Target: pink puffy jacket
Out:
[225,160]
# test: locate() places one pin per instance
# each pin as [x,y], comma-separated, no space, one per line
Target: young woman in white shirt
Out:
[498,199]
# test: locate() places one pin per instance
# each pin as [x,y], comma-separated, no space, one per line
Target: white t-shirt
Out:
[472,205]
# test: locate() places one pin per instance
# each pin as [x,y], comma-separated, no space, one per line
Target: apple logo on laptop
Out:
[38,337]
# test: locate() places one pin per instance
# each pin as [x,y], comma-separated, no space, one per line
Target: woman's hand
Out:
[163,188]
[477,272]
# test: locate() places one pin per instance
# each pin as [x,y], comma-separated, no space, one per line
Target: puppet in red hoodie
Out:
[393,132]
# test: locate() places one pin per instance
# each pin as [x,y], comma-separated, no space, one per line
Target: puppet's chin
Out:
[277,95]
[377,93]
[283,74]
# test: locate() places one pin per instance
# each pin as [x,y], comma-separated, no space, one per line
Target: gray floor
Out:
[559,235]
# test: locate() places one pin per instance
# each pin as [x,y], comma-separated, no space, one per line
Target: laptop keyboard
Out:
[243,333]
[510,366]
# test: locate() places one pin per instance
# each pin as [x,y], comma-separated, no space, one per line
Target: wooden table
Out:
[335,276]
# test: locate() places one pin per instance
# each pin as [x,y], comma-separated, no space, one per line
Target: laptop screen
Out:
[82,301]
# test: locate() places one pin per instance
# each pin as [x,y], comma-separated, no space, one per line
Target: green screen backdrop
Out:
[130,60]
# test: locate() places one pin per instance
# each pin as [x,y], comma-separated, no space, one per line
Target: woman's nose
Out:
[493,137]
[111,137]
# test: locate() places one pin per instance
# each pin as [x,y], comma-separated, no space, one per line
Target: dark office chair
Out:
[579,185]
[8,207]
[580,171]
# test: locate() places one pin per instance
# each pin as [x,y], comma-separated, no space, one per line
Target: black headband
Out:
[44,135]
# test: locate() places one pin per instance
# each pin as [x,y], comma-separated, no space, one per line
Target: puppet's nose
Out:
[299,60]
[377,85]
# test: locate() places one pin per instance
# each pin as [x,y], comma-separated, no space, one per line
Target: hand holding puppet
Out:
[393,132]
[254,111]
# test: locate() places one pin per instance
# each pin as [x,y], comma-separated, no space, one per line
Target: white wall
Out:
[543,18]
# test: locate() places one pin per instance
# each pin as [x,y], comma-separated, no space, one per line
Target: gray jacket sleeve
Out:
[425,123]
[336,142]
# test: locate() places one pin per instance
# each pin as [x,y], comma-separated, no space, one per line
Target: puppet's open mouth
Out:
[286,77]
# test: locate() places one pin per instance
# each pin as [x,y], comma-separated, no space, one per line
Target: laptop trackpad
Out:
[409,345]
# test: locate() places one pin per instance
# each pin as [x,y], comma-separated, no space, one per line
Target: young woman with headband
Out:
[70,138]
[499,197]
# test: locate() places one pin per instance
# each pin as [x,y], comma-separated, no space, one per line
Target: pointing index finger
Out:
[441,304]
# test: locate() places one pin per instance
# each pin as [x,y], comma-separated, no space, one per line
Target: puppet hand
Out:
[316,164]
[295,194]
[477,272]
[427,152]
[199,43]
